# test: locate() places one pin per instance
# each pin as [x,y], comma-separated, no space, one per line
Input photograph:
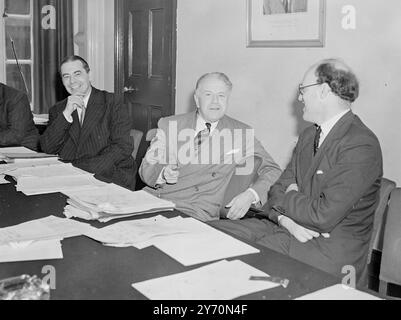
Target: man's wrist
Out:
[67,116]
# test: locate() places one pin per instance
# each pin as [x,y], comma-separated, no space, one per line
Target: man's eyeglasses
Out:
[301,87]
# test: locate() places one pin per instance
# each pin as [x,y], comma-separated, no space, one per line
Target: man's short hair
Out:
[218,75]
[340,79]
[75,58]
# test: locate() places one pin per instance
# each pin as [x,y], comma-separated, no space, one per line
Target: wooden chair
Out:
[390,267]
[376,242]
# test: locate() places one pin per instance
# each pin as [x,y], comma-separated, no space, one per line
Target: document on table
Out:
[112,202]
[47,171]
[338,292]
[37,162]
[19,150]
[38,250]
[133,231]
[43,229]
[201,243]
[30,186]
[222,280]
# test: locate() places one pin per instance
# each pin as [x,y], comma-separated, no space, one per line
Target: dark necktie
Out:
[317,138]
[202,135]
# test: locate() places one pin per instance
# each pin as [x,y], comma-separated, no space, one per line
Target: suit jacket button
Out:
[196,188]
[213,174]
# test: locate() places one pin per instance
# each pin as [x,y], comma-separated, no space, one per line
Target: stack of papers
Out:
[186,240]
[338,292]
[38,239]
[21,157]
[113,202]
[222,280]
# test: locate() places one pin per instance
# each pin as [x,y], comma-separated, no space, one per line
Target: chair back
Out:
[151,134]
[137,137]
[376,242]
[390,268]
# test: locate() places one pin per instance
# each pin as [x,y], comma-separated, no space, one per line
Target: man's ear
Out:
[324,91]
[196,100]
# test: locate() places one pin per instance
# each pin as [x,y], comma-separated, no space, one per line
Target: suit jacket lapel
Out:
[94,111]
[337,132]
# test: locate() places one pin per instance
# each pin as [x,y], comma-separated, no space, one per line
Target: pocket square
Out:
[319,172]
[232,151]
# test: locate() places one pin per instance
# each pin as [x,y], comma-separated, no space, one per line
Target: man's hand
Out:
[73,102]
[171,173]
[292,187]
[240,205]
[300,233]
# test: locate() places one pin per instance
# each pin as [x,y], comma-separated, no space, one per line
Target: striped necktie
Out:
[202,135]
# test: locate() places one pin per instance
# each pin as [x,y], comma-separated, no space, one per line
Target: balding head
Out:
[340,78]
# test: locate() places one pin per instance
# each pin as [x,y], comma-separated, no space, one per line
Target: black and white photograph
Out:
[205,155]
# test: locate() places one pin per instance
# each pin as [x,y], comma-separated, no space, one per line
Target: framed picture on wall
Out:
[286,23]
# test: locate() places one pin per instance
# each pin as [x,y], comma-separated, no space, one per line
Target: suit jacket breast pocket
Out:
[319,176]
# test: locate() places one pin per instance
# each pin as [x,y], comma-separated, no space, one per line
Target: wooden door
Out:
[145,61]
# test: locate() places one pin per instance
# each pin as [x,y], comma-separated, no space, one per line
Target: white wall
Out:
[211,36]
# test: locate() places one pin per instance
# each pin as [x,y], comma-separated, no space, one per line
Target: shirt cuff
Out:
[68,118]
[160,180]
[257,199]
[279,218]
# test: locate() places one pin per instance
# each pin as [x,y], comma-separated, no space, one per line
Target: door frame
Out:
[119,63]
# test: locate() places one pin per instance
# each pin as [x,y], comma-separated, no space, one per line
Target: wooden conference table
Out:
[90,270]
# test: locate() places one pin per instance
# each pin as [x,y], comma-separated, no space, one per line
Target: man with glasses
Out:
[90,128]
[321,209]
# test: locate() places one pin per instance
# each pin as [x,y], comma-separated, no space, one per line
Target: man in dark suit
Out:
[16,121]
[90,128]
[322,207]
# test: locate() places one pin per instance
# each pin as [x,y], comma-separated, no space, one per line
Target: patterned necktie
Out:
[317,138]
[202,135]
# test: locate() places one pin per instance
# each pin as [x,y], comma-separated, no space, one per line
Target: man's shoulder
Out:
[9,93]
[358,131]
[231,123]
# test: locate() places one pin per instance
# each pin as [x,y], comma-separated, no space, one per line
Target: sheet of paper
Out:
[222,280]
[201,243]
[43,229]
[48,171]
[114,199]
[15,150]
[40,250]
[338,292]
[38,162]
[30,185]
[132,231]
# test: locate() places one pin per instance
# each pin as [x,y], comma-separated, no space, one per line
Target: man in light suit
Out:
[16,120]
[188,164]
[90,128]
[322,207]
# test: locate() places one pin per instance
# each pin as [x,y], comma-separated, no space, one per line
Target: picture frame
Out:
[286,23]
